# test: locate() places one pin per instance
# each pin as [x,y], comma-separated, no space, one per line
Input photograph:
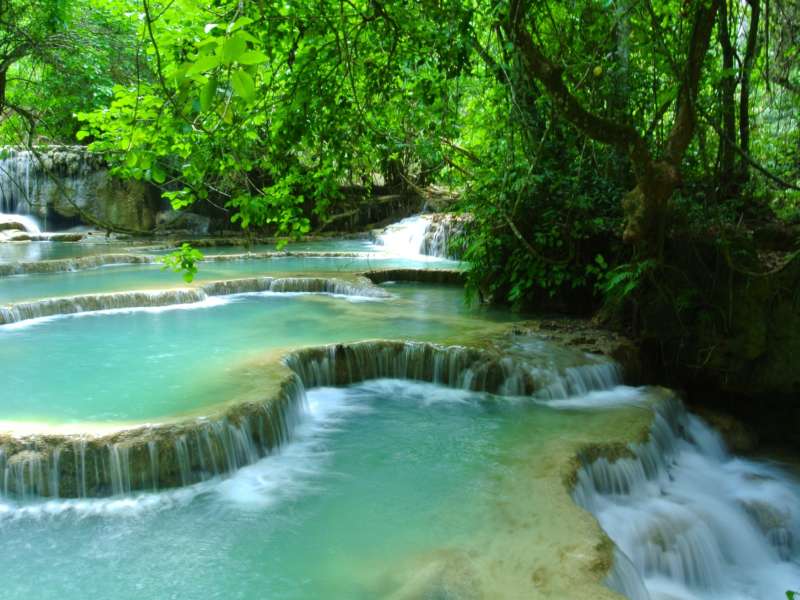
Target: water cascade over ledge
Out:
[69,305]
[689,520]
[160,456]
[426,235]
[67,265]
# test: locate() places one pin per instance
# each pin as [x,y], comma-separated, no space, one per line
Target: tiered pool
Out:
[251,444]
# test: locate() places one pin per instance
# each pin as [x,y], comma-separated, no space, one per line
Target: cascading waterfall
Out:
[427,235]
[691,521]
[406,237]
[27,181]
[13,223]
[164,456]
[64,265]
[38,309]
[454,366]
[440,239]
[149,458]
[688,519]
[15,182]
[69,305]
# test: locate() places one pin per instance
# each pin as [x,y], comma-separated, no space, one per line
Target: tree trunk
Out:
[727,152]
[646,206]
[744,94]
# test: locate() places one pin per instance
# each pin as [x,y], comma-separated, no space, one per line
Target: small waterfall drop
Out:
[16,195]
[201,295]
[407,237]
[423,235]
[29,178]
[691,521]
[25,223]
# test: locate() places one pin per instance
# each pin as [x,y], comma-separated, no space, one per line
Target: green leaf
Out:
[203,64]
[243,85]
[207,94]
[253,57]
[158,174]
[82,134]
[233,48]
[240,22]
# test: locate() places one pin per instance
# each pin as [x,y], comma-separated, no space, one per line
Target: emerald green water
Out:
[32,251]
[116,278]
[391,489]
[146,364]
[332,245]
[387,489]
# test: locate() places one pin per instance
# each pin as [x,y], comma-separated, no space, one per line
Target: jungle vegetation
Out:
[583,137]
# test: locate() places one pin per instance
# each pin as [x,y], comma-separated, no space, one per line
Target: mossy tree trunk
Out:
[646,206]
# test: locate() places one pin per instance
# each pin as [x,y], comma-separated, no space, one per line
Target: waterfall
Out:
[66,265]
[30,181]
[96,302]
[16,192]
[688,518]
[10,224]
[62,265]
[161,456]
[406,237]
[151,457]
[87,303]
[441,239]
[454,366]
[319,285]
[426,235]
[156,457]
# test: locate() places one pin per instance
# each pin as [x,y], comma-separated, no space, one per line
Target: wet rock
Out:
[439,276]
[8,223]
[64,184]
[183,221]
[584,335]
[65,237]
[737,436]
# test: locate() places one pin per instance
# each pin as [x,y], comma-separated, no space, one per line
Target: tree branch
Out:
[683,130]
[620,135]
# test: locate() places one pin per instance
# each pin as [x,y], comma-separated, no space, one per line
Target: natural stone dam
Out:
[341,424]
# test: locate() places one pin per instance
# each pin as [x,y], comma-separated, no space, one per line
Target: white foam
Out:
[28,222]
[210,302]
[695,522]
[406,238]
[621,395]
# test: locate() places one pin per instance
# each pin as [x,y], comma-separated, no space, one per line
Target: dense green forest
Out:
[582,137]
[400,299]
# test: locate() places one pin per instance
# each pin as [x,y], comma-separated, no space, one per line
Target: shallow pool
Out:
[116,278]
[145,364]
[390,489]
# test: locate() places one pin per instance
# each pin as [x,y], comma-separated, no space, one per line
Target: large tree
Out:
[657,170]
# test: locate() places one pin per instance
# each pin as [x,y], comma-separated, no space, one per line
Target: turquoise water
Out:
[135,365]
[333,245]
[387,489]
[33,251]
[130,277]
[390,490]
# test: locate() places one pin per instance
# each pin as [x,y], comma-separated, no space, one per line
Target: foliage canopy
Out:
[543,116]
